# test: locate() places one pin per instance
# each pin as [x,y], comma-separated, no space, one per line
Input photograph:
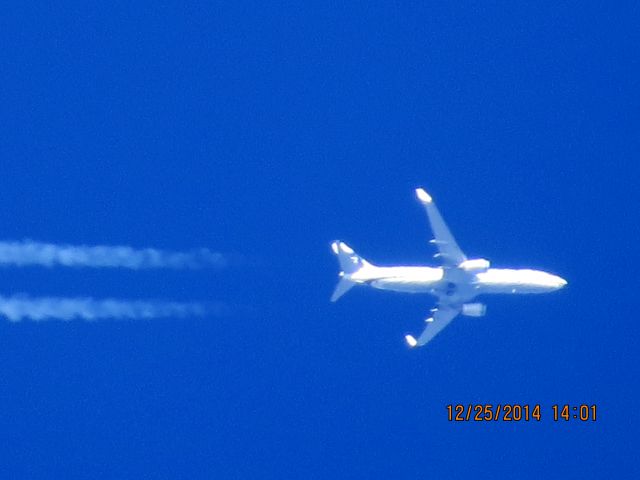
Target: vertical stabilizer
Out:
[350,262]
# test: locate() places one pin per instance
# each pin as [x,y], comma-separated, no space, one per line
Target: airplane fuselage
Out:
[457,286]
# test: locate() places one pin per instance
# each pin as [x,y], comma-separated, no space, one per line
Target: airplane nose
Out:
[560,282]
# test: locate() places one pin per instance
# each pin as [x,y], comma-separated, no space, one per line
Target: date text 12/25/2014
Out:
[515,412]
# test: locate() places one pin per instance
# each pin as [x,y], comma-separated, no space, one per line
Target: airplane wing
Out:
[442,317]
[448,249]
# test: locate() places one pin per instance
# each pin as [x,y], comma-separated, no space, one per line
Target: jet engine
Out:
[474,309]
[477,265]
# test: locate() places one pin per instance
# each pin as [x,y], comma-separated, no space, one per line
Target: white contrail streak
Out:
[21,307]
[28,252]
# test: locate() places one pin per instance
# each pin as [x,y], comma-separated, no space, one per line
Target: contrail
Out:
[21,307]
[28,252]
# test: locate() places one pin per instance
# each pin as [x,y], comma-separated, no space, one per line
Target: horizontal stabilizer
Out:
[344,285]
[350,262]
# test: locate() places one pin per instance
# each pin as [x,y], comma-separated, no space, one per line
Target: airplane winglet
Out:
[423,196]
[412,342]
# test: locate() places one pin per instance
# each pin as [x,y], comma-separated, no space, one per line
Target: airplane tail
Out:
[350,262]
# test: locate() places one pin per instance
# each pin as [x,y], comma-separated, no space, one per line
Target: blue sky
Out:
[267,131]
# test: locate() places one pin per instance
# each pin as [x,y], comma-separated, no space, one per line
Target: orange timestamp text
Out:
[515,412]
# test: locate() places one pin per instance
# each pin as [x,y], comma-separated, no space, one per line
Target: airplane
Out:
[455,284]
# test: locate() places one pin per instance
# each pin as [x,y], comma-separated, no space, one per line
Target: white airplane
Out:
[456,283]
